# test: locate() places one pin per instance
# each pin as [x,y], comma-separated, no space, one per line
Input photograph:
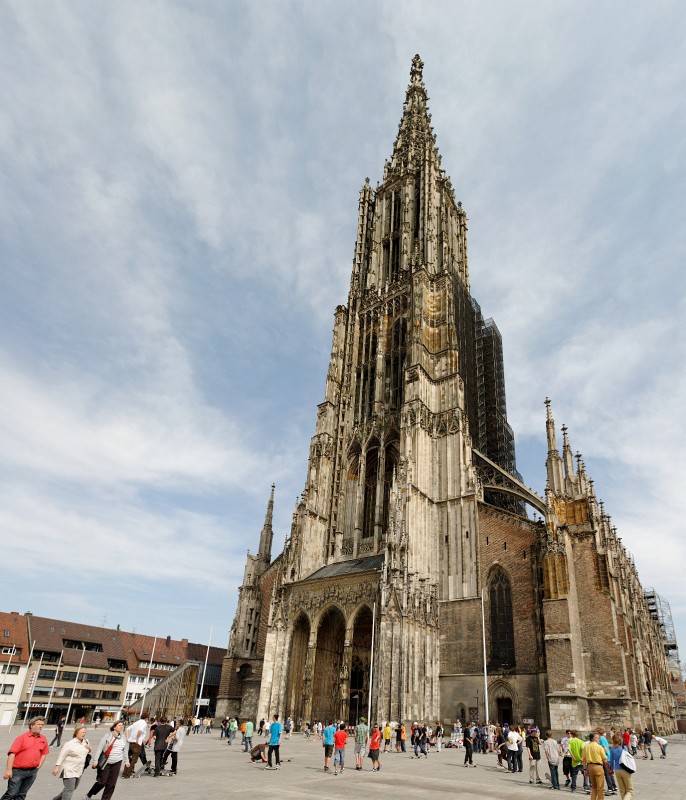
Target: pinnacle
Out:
[414,132]
[416,76]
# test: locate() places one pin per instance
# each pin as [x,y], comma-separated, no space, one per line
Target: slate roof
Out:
[368,564]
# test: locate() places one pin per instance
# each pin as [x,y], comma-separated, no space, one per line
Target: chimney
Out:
[168,641]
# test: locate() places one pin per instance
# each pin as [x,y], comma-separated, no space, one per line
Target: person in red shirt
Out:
[374,747]
[24,758]
[340,739]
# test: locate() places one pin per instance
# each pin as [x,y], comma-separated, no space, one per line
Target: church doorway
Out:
[504,707]
[328,665]
[297,690]
[360,667]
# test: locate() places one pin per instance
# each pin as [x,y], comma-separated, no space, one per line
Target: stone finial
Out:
[416,70]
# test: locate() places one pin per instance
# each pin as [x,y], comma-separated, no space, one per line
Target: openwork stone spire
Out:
[415,134]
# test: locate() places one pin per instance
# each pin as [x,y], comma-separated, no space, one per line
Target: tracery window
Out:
[390,464]
[370,481]
[502,625]
[366,370]
[395,365]
[392,242]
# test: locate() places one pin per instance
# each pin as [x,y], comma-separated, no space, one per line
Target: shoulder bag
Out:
[627,761]
[102,758]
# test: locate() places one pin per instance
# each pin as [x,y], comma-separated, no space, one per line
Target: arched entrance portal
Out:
[296,693]
[328,665]
[359,668]
[504,709]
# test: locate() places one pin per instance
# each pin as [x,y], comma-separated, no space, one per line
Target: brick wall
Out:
[512,543]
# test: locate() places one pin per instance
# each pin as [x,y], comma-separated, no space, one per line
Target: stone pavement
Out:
[209,769]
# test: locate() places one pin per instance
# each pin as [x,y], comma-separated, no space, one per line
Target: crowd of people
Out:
[605,761]
[121,746]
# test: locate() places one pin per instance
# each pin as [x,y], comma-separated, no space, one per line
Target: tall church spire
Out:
[267,534]
[415,134]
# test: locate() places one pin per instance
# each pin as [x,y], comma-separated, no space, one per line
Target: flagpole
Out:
[371,668]
[7,672]
[28,706]
[204,671]
[483,632]
[147,680]
[76,680]
[52,691]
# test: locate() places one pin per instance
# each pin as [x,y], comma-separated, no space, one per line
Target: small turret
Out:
[568,462]
[553,462]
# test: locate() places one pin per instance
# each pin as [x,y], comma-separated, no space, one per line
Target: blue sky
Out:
[177,221]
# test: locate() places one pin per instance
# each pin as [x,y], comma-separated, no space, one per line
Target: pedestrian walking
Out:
[374,747]
[162,736]
[327,743]
[340,739]
[593,758]
[24,758]
[59,728]
[71,762]
[174,744]
[361,740]
[623,776]
[136,736]
[108,758]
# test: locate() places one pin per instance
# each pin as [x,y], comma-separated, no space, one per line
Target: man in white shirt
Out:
[136,735]
[513,740]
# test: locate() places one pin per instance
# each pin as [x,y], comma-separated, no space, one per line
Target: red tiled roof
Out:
[15,625]
[139,647]
[50,634]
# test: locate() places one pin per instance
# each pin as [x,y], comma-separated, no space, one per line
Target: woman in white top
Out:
[71,761]
[114,744]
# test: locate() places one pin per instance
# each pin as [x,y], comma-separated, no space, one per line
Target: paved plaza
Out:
[209,769]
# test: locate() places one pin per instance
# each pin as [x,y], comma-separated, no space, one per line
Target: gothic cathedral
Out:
[411,566]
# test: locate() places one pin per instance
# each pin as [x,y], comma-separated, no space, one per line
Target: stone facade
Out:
[410,558]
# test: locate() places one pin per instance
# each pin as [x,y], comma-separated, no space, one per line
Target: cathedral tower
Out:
[386,526]
[409,545]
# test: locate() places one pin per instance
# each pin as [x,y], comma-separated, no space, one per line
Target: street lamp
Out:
[357,707]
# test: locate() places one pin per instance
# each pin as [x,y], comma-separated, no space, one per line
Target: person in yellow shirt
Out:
[387,737]
[593,757]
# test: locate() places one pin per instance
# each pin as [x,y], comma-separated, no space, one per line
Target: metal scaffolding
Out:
[661,612]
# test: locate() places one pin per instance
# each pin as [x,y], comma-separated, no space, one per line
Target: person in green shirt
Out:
[361,739]
[249,730]
[575,748]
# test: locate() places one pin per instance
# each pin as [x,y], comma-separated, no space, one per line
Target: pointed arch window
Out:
[366,369]
[392,243]
[501,619]
[370,481]
[395,365]
[390,465]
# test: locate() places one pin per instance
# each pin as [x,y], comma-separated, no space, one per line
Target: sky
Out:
[178,206]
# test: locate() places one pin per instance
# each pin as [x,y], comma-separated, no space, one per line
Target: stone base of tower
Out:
[239,689]
[569,713]
[511,698]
